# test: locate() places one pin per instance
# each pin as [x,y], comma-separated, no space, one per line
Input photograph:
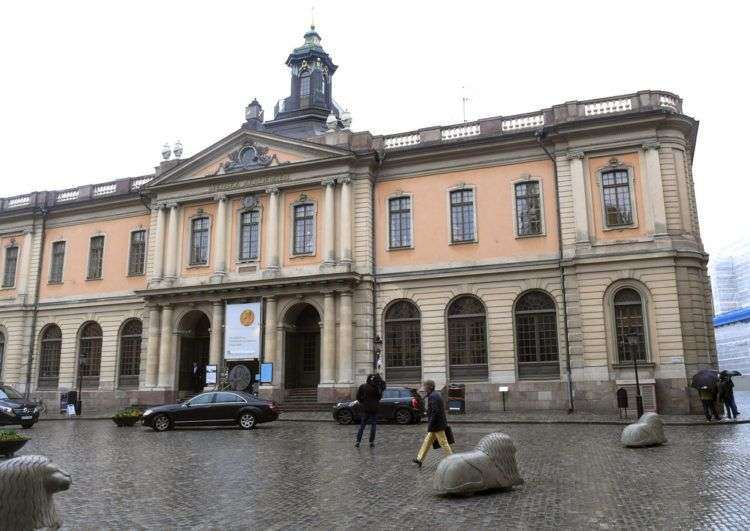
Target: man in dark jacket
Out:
[368,396]
[437,423]
[726,394]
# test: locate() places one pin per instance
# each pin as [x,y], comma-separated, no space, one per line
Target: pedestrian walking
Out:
[368,396]
[708,399]
[726,393]
[437,423]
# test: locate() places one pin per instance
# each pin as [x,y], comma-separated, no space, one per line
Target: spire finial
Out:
[312,18]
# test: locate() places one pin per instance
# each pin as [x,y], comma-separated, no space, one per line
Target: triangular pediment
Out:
[243,151]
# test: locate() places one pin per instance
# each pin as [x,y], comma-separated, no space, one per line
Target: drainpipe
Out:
[540,135]
[379,157]
[35,309]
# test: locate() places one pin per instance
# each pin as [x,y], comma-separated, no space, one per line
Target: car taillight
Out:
[415,403]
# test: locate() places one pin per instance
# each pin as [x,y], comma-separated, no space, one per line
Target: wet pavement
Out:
[292,475]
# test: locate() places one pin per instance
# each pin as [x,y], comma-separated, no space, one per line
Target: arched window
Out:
[403,342]
[130,353]
[2,352]
[467,339]
[90,355]
[629,325]
[49,357]
[536,336]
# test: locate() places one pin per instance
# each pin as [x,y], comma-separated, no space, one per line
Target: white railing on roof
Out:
[526,122]
[460,131]
[140,182]
[607,107]
[668,101]
[104,189]
[402,141]
[19,201]
[68,195]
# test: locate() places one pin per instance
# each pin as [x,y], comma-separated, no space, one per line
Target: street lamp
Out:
[633,342]
[377,347]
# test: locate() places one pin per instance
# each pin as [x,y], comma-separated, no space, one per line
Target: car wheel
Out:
[162,423]
[27,425]
[403,416]
[247,421]
[344,417]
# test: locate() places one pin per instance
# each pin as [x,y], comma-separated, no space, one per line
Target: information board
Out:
[242,331]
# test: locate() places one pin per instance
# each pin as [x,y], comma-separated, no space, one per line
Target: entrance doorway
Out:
[302,348]
[195,332]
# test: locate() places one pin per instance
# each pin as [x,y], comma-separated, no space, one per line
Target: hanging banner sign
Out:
[242,331]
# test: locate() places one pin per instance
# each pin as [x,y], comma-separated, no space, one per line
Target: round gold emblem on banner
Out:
[247,318]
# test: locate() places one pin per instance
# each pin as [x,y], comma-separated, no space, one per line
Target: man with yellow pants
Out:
[436,423]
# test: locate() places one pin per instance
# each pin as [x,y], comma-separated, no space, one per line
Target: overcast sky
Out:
[91,90]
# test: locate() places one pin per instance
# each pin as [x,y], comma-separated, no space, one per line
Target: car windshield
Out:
[9,392]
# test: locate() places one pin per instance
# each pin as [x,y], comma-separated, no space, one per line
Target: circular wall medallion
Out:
[247,318]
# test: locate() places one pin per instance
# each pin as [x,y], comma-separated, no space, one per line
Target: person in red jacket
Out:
[368,396]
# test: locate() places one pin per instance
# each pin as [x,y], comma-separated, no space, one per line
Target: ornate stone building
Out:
[540,252]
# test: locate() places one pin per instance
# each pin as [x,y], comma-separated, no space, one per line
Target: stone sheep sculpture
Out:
[27,484]
[491,465]
[648,431]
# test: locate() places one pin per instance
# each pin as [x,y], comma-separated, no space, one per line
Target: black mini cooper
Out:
[15,409]
[402,405]
[214,408]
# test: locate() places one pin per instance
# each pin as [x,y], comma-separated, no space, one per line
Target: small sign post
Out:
[503,391]
[211,375]
[266,373]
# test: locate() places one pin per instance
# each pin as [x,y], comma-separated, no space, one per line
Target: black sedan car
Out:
[400,404]
[15,409]
[214,408]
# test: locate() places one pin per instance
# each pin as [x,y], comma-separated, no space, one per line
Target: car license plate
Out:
[27,417]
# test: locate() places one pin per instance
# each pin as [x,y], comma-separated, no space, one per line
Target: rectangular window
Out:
[249,235]
[11,260]
[462,216]
[96,258]
[303,229]
[137,264]
[528,209]
[399,219]
[199,242]
[304,86]
[618,208]
[57,262]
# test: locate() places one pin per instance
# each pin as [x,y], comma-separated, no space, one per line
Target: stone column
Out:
[172,238]
[269,346]
[24,264]
[578,186]
[273,228]
[158,272]
[329,252]
[344,351]
[328,360]
[152,350]
[166,353]
[217,334]
[345,254]
[220,250]
[653,191]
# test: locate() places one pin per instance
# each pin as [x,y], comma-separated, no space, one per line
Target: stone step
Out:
[305,406]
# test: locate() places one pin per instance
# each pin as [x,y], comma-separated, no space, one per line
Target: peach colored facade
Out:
[540,295]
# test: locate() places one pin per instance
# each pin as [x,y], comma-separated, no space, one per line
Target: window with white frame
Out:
[199,241]
[528,208]
[304,229]
[616,197]
[96,258]
[462,216]
[57,262]
[11,262]
[249,234]
[399,222]
[137,262]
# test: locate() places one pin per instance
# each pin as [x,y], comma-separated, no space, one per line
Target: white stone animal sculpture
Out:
[491,465]
[27,484]
[648,431]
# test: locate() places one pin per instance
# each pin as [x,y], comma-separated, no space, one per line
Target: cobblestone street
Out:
[288,475]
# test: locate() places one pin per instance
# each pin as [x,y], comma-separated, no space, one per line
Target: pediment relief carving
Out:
[249,156]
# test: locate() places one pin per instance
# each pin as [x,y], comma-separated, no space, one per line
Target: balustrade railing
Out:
[104,189]
[525,122]
[460,131]
[402,140]
[607,107]
[67,195]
